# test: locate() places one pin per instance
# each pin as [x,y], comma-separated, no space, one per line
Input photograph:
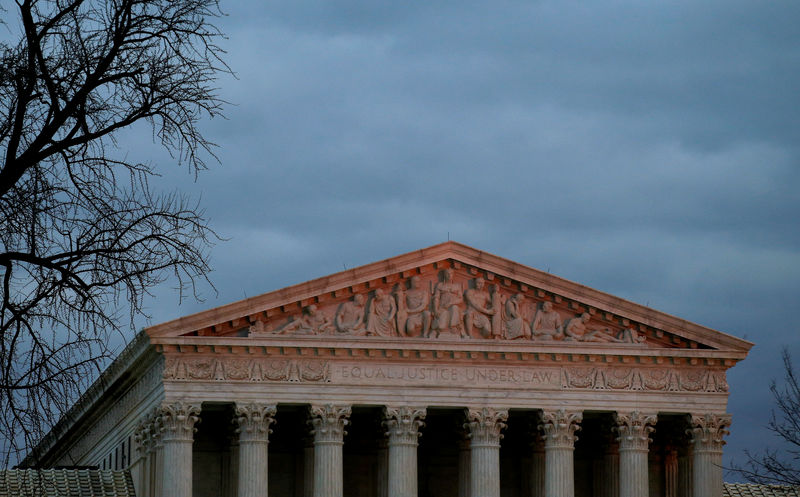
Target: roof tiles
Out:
[65,483]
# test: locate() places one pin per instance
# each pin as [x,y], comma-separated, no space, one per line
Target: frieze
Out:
[645,379]
[234,369]
[360,373]
[447,305]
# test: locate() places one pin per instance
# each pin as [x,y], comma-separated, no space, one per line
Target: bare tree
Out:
[774,467]
[82,235]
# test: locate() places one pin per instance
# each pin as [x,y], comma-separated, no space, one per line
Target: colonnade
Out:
[168,435]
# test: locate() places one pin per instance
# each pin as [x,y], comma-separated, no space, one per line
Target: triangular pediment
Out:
[449,292]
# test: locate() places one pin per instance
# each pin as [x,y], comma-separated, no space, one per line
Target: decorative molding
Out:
[253,421]
[643,379]
[283,369]
[240,369]
[403,424]
[328,422]
[707,431]
[634,429]
[176,421]
[559,428]
[485,426]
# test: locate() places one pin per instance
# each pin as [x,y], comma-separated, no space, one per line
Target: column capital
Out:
[253,421]
[146,434]
[485,425]
[403,424]
[176,420]
[707,431]
[559,427]
[634,429]
[328,422]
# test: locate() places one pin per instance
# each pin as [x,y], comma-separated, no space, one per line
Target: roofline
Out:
[464,254]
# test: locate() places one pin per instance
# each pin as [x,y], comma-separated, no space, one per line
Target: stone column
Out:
[253,421]
[145,446]
[382,468]
[559,429]
[671,472]
[328,424]
[685,478]
[308,466]
[611,467]
[707,431]
[177,420]
[537,469]
[484,427]
[463,464]
[402,425]
[634,430]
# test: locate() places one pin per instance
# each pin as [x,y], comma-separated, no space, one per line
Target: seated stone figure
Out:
[350,316]
[547,324]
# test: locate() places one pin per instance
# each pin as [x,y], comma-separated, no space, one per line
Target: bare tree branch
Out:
[774,467]
[82,235]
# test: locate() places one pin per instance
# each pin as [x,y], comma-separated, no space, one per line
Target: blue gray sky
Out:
[647,149]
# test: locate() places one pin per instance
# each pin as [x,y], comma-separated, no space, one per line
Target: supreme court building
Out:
[445,372]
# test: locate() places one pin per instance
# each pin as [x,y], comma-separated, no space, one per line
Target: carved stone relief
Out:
[266,369]
[565,378]
[441,306]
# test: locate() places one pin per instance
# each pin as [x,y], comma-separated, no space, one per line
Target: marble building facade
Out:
[443,372]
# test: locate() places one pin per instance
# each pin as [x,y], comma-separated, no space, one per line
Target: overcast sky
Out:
[647,149]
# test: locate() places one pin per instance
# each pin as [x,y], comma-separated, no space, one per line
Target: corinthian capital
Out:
[253,421]
[328,422]
[559,427]
[485,425]
[707,431]
[634,429]
[176,420]
[403,424]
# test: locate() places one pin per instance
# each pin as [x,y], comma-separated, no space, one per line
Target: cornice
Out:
[453,349]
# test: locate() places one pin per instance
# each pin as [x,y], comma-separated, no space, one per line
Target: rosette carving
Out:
[634,429]
[253,421]
[485,425]
[559,427]
[403,423]
[707,431]
[328,422]
[176,420]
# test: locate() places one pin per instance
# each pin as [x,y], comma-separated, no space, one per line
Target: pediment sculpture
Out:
[448,305]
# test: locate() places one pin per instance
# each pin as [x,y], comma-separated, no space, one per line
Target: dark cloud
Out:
[645,149]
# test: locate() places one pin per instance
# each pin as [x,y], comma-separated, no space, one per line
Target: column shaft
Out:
[177,422]
[403,424]
[612,471]
[329,422]
[538,472]
[464,465]
[308,469]
[671,473]
[484,427]
[634,438]
[253,422]
[559,429]
[382,470]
